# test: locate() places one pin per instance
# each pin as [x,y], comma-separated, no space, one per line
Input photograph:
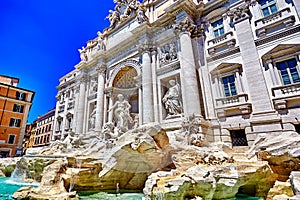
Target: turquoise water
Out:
[109,196]
[7,188]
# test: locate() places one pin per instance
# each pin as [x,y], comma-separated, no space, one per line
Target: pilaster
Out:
[101,69]
[259,96]
[81,104]
[297,6]
[148,114]
[190,91]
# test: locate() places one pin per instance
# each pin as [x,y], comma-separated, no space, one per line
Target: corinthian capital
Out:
[239,13]
[83,78]
[101,68]
[187,26]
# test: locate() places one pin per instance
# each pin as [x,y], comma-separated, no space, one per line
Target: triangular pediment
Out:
[280,50]
[225,67]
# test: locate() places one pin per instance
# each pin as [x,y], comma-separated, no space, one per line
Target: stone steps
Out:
[240,154]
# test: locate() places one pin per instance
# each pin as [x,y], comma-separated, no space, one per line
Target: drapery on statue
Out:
[100,40]
[172,99]
[114,18]
[83,55]
[140,13]
[121,113]
[92,118]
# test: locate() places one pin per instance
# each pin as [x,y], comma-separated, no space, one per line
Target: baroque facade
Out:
[229,67]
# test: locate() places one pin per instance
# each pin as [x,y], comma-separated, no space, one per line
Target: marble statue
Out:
[83,55]
[92,119]
[100,40]
[172,99]
[114,18]
[121,113]
[140,13]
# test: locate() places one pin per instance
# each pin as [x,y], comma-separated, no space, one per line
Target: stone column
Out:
[190,91]
[100,97]
[81,104]
[147,85]
[259,95]
[154,84]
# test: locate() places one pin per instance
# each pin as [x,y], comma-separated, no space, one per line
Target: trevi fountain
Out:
[175,100]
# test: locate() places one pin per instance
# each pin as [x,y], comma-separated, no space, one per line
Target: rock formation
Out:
[145,158]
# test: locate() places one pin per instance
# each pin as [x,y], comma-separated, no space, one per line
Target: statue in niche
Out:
[92,119]
[100,40]
[121,113]
[172,99]
[83,55]
[140,13]
[114,18]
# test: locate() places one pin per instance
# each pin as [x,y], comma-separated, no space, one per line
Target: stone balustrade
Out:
[228,101]
[281,18]
[237,104]
[286,90]
[221,43]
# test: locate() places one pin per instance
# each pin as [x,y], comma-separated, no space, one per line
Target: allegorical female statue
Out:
[172,99]
[121,113]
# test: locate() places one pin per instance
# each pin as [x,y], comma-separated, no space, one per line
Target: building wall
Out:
[15,104]
[224,56]
[44,129]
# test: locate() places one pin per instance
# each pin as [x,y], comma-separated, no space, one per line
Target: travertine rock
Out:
[280,188]
[51,186]
[282,151]
[295,181]
[211,181]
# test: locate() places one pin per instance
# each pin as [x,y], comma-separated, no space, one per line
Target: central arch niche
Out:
[124,83]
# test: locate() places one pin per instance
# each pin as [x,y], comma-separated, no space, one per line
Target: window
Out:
[268,7]
[288,71]
[238,137]
[15,122]
[20,96]
[218,28]
[11,139]
[18,108]
[229,85]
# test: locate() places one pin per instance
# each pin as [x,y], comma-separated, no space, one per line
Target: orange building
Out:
[28,139]
[15,104]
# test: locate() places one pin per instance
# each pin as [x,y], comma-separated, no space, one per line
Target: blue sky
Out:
[40,41]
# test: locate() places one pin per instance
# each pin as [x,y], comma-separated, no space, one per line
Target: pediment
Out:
[226,67]
[280,50]
[217,13]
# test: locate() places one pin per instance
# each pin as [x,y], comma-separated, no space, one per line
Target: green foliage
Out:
[7,170]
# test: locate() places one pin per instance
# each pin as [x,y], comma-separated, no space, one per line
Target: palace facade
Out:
[15,104]
[232,67]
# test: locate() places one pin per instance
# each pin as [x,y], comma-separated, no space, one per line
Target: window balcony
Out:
[221,43]
[233,105]
[274,22]
[284,96]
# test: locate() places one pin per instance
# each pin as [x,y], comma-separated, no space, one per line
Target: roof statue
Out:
[124,10]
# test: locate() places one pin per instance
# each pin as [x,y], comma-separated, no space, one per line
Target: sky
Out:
[39,42]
